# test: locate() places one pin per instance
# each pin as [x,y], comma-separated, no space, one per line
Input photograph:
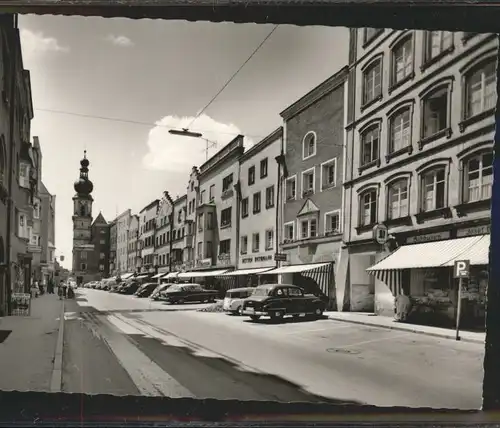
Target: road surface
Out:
[132,347]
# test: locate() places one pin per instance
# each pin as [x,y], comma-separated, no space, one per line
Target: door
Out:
[297,302]
[282,300]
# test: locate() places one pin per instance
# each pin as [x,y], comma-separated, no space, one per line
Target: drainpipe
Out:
[10,169]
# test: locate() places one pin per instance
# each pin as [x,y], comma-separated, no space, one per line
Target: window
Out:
[433,189]
[269,239]
[437,42]
[368,207]
[256,203]
[480,90]
[270,197]
[244,207]
[101,268]
[226,217]
[210,221]
[200,250]
[370,145]
[225,246]
[372,82]
[102,241]
[192,186]
[251,175]
[227,182]
[370,33]
[328,174]
[332,222]
[24,175]
[398,199]
[179,216]
[308,228]
[211,193]
[309,145]
[263,168]
[289,231]
[83,255]
[101,256]
[291,188]
[209,248]
[435,114]
[83,266]
[308,182]
[200,222]
[478,178]
[402,60]
[244,244]
[399,132]
[255,242]
[202,197]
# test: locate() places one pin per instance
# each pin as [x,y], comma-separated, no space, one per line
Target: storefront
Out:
[422,269]
[209,278]
[250,268]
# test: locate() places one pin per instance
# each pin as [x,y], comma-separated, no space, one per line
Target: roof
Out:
[261,145]
[395,14]
[150,205]
[100,220]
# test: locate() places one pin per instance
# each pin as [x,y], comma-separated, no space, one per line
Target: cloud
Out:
[176,153]
[122,41]
[35,43]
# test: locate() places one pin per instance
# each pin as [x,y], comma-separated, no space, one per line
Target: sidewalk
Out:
[27,355]
[388,322]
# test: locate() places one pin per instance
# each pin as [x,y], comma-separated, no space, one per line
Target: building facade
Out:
[133,244]
[259,180]
[163,242]
[192,197]
[48,214]
[181,234]
[419,148]
[218,209]
[313,194]
[83,248]
[113,259]
[122,228]
[98,263]
[147,236]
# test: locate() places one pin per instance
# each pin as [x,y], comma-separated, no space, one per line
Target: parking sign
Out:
[461,268]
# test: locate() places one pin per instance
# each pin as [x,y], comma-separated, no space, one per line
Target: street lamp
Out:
[187,133]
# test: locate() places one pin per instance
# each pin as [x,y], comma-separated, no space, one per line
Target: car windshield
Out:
[262,291]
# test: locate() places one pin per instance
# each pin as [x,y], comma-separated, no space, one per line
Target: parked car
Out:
[180,293]
[158,292]
[129,288]
[280,300]
[146,289]
[233,300]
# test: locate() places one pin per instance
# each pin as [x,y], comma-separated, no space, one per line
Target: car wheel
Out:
[277,315]
[239,311]
[318,312]
[255,317]
[180,301]
[211,299]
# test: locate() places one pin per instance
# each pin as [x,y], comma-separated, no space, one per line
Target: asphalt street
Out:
[134,347]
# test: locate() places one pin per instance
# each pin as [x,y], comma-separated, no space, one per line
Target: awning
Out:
[141,276]
[127,275]
[253,271]
[158,275]
[172,275]
[201,274]
[295,268]
[435,254]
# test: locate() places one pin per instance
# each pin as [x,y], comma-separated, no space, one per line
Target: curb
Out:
[410,330]
[56,380]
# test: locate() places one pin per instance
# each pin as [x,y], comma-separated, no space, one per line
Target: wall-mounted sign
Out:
[472,231]
[430,237]
[204,262]
[256,259]
[380,234]
[280,257]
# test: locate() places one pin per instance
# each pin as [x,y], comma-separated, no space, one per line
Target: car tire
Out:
[211,300]
[239,311]
[255,317]
[277,315]
[318,312]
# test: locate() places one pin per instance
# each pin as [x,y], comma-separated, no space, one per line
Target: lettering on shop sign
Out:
[257,259]
[428,238]
[471,231]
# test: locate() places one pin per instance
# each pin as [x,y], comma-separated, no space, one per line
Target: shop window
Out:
[368,205]
[434,189]
[370,140]
[402,60]
[372,82]
[398,199]
[478,177]
[291,188]
[480,89]
[309,145]
[400,130]
[436,44]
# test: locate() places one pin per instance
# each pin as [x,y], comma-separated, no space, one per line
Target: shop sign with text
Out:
[473,231]
[430,237]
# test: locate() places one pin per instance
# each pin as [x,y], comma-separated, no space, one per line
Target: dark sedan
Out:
[279,300]
[129,288]
[180,293]
[146,289]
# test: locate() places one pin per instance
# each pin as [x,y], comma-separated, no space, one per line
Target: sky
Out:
[114,87]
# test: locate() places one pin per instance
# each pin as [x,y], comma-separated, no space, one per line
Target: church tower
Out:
[82,221]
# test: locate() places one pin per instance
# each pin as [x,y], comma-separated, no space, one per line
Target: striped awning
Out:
[392,278]
[253,271]
[295,268]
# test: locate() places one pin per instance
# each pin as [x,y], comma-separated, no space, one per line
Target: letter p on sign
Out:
[461,268]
